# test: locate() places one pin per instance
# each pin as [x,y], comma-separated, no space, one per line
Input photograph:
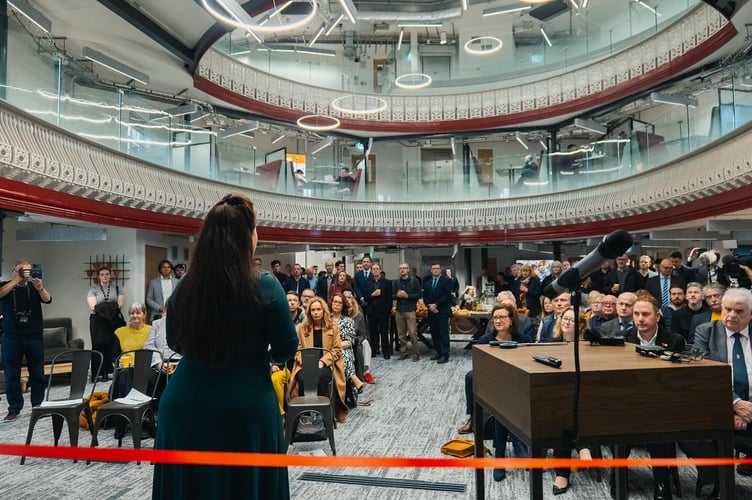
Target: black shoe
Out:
[662,492]
[435,357]
[500,474]
[387,356]
[376,353]
[442,360]
[744,470]
[560,491]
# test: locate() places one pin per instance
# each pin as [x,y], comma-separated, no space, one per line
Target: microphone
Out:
[610,247]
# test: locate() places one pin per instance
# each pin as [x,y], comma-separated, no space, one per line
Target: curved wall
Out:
[669,52]
[49,171]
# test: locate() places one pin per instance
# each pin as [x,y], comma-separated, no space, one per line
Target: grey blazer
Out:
[611,329]
[710,340]
[154,298]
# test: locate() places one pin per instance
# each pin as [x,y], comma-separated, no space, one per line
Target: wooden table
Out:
[625,399]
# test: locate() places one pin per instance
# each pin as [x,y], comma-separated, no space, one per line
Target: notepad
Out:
[134,397]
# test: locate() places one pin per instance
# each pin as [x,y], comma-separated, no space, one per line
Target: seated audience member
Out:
[340,307]
[305,297]
[361,333]
[608,312]
[623,324]
[561,302]
[157,341]
[594,304]
[676,303]
[525,327]
[713,295]
[547,311]
[727,340]
[681,320]
[564,327]
[317,330]
[134,335]
[281,371]
[293,302]
[505,328]
[649,332]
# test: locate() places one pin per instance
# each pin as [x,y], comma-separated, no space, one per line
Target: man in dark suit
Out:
[437,295]
[628,280]
[684,273]
[648,332]
[660,286]
[713,295]
[681,320]
[361,279]
[378,306]
[326,278]
[623,324]
[604,278]
[715,340]
[296,282]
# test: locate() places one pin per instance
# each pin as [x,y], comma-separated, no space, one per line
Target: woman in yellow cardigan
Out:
[134,335]
[317,330]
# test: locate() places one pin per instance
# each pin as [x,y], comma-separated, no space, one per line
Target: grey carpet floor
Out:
[415,407]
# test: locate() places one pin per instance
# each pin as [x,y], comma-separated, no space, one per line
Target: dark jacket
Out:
[671,341]
[381,304]
[412,287]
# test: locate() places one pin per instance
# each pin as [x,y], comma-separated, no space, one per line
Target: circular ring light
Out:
[413,81]
[369,104]
[495,46]
[311,122]
[206,4]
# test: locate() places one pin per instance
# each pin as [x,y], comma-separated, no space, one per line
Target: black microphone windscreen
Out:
[615,244]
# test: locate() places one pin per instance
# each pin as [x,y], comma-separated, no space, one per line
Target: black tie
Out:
[741,379]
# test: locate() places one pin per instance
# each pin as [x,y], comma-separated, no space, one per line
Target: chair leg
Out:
[57,427]
[92,430]
[677,482]
[136,432]
[30,432]
[73,434]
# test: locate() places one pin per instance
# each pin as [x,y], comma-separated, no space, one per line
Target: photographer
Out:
[735,273]
[22,298]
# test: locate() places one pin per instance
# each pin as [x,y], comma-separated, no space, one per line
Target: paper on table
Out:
[62,402]
[133,397]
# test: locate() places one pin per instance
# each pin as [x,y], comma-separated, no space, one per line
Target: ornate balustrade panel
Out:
[652,55]
[36,153]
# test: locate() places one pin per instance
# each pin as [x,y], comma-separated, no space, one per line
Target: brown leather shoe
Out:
[467,428]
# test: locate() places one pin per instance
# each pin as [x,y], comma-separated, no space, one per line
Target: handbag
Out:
[461,448]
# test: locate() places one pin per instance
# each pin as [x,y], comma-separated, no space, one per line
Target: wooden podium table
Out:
[625,399]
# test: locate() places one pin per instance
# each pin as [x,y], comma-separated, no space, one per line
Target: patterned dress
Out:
[347,334]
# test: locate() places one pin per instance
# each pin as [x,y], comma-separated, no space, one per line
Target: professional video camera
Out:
[735,275]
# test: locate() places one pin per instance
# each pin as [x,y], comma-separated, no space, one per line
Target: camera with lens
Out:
[22,318]
[734,273]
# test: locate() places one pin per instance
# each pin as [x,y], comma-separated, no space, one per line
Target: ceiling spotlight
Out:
[116,66]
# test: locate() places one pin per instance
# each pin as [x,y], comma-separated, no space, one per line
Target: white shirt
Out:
[644,342]
[746,347]
[166,287]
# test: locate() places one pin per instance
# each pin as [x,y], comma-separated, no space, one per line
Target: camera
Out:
[36,271]
[22,318]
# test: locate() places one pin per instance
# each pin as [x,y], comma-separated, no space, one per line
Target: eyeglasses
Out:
[499,318]
[567,320]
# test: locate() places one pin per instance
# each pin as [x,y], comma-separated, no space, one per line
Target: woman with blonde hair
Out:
[318,330]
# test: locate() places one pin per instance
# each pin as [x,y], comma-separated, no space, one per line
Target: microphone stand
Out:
[571,437]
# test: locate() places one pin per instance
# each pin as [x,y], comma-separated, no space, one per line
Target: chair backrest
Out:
[142,359]
[309,371]
[80,360]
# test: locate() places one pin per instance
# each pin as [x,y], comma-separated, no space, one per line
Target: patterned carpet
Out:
[414,408]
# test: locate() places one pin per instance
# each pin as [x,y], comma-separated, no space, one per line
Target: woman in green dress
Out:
[226,319]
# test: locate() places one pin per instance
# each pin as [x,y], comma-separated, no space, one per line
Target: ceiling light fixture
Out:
[275,141]
[333,24]
[185,109]
[673,99]
[464,4]
[321,145]
[274,12]
[442,38]
[413,81]
[313,122]
[37,18]
[648,6]
[590,125]
[543,144]
[575,4]
[240,21]
[350,11]
[315,51]
[451,143]
[584,4]
[317,35]
[240,129]
[545,37]
[116,66]
[504,10]
[359,104]
[259,38]
[399,41]
[520,140]
[420,24]
[488,45]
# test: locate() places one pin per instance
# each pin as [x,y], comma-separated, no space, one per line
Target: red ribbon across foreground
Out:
[283,460]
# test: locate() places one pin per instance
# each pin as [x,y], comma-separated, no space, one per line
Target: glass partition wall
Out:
[51,86]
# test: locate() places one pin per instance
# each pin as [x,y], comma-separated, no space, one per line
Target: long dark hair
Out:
[213,306]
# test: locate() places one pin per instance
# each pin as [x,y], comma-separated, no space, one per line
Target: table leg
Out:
[536,473]
[726,450]
[620,451]
[480,479]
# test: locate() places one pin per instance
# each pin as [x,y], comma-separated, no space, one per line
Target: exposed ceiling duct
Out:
[394,16]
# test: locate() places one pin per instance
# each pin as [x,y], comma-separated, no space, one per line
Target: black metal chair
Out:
[311,402]
[134,410]
[70,408]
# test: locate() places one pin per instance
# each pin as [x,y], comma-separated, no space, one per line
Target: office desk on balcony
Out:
[625,399]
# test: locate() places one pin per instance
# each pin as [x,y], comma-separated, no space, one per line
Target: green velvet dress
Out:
[229,409]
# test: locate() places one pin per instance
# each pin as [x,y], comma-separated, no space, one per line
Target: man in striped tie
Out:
[660,286]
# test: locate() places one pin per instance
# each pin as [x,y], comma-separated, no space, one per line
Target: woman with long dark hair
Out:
[105,299]
[226,319]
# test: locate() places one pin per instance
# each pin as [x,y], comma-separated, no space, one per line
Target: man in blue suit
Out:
[437,295]
[361,279]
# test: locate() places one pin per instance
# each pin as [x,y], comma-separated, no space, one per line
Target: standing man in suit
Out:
[648,332]
[728,340]
[160,288]
[361,279]
[628,280]
[437,295]
[378,304]
[660,286]
[325,280]
[296,281]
